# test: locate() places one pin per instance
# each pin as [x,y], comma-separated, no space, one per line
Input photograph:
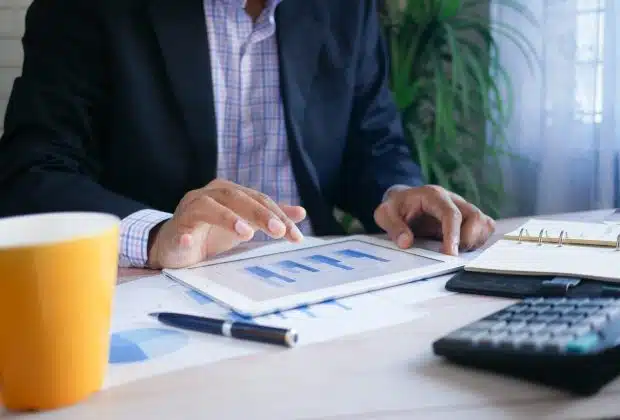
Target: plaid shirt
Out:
[252,143]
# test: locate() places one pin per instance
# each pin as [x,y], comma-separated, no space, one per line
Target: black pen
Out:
[236,329]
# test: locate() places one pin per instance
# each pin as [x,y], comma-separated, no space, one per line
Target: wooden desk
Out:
[385,374]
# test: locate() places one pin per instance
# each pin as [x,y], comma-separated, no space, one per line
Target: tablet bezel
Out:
[245,306]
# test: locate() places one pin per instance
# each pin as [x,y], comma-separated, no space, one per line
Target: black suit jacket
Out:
[114,110]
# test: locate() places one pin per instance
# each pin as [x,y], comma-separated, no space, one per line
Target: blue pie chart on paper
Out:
[143,344]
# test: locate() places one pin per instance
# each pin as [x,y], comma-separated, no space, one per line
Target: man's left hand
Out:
[433,212]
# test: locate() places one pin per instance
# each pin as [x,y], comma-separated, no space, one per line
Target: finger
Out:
[472,232]
[295,213]
[206,210]
[489,231]
[388,219]
[290,230]
[477,227]
[251,210]
[473,225]
[439,204]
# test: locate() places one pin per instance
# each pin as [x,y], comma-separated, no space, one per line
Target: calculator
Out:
[566,343]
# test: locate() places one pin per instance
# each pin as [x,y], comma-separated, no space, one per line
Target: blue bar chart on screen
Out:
[290,266]
[332,262]
[268,276]
[347,261]
[357,254]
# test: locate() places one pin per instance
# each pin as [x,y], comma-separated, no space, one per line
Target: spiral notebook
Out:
[558,248]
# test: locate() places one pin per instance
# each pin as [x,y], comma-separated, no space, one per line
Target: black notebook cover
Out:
[522,286]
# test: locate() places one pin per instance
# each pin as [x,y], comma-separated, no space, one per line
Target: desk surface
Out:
[385,374]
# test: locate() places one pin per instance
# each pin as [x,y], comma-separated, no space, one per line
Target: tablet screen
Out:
[304,270]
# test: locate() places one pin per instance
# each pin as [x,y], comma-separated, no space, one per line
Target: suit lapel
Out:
[302,36]
[182,35]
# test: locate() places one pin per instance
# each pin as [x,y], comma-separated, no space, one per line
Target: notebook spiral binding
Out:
[561,238]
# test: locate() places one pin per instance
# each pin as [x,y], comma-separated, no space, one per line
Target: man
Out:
[206,123]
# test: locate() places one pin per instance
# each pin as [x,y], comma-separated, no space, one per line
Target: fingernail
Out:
[296,233]
[455,248]
[276,226]
[243,229]
[402,240]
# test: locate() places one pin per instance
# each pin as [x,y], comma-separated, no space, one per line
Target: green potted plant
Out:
[454,96]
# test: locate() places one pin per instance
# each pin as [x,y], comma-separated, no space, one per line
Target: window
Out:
[589,56]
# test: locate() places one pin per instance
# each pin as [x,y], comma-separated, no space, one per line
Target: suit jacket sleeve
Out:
[377,155]
[48,158]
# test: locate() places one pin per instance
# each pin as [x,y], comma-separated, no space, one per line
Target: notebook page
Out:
[584,233]
[510,257]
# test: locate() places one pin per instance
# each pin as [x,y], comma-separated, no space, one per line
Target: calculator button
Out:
[593,303]
[578,313]
[597,321]
[498,338]
[479,336]
[564,308]
[536,342]
[520,307]
[535,327]
[590,309]
[572,319]
[551,314]
[606,301]
[555,300]
[484,340]
[556,344]
[611,312]
[516,326]
[499,326]
[565,336]
[483,325]
[578,301]
[567,304]
[461,336]
[499,316]
[505,342]
[531,300]
[556,329]
[545,318]
[560,341]
[583,344]
[520,337]
[522,317]
[579,330]
[528,344]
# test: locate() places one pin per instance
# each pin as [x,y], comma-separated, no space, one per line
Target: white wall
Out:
[12,14]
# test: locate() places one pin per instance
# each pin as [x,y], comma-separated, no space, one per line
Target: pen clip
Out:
[558,286]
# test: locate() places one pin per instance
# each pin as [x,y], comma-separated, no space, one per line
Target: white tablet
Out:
[277,281]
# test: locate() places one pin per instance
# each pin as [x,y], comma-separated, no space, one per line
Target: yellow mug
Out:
[57,277]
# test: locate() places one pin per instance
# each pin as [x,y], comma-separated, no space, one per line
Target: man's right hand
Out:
[216,218]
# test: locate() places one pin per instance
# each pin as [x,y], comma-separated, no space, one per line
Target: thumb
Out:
[388,219]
